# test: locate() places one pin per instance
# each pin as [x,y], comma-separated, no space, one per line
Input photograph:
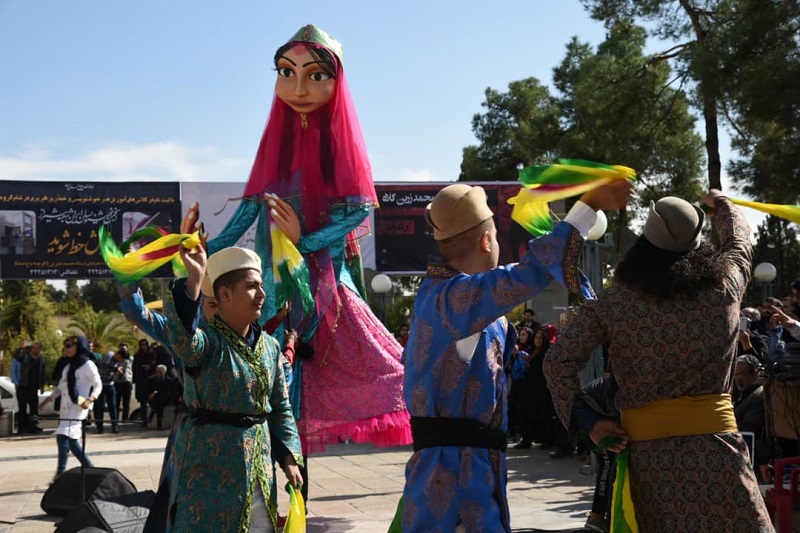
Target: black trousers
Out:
[28,401]
[124,390]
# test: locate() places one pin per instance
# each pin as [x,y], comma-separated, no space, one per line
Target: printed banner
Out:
[48,230]
[218,201]
[404,241]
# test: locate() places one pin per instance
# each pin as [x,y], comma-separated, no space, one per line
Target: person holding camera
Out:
[750,341]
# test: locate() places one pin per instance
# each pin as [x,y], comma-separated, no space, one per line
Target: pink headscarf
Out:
[324,162]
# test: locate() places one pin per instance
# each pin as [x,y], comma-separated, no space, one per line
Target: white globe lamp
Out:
[765,272]
[381,284]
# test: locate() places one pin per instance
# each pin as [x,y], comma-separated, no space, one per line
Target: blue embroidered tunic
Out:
[459,343]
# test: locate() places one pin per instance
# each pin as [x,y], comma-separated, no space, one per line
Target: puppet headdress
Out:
[311,34]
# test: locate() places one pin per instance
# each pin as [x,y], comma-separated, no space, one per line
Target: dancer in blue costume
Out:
[312,177]
[458,345]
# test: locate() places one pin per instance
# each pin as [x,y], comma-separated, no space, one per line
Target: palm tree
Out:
[106,329]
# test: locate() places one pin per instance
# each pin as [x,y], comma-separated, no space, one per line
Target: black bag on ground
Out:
[64,494]
[122,514]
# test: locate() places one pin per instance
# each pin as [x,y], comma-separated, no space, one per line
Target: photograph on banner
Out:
[218,201]
[17,233]
[404,241]
[49,230]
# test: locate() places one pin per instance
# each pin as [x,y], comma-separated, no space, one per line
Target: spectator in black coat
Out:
[162,391]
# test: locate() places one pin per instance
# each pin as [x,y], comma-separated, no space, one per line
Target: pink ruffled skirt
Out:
[353,385]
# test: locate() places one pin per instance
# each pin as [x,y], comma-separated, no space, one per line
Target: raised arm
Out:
[136,312]
[734,237]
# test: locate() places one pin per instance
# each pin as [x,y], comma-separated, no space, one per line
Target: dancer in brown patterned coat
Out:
[671,321]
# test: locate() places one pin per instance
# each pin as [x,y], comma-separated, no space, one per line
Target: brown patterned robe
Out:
[682,346]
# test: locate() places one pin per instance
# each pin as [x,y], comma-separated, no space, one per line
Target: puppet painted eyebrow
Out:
[289,60]
[311,63]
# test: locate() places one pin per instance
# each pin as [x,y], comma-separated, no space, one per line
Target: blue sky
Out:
[181,90]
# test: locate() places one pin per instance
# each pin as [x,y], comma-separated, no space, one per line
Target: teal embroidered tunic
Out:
[218,466]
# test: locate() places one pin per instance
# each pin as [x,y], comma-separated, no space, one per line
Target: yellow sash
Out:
[676,417]
[680,417]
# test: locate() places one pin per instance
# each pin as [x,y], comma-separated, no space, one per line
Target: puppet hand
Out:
[191,217]
[191,223]
[285,217]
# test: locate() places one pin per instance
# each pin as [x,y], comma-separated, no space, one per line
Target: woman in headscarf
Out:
[312,177]
[672,321]
[80,385]
[536,405]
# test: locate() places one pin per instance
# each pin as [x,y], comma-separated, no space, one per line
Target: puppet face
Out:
[302,83]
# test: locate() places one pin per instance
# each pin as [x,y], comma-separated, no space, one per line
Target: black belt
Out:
[232,419]
[430,432]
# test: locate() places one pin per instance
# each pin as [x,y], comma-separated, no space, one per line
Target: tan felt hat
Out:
[457,208]
[674,224]
[230,259]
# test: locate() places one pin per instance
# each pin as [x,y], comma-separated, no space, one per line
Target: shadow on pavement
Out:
[580,530]
[321,524]
[41,518]
[16,492]
[352,496]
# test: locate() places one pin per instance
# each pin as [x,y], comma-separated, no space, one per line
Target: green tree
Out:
[763,103]
[73,299]
[106,329]
[694,26]
[101,294]
[519,128]
[615,111]
[741,57]
[608,109]
[28,315]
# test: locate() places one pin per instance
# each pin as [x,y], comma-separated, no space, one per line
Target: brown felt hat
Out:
[674,224]
[455,209]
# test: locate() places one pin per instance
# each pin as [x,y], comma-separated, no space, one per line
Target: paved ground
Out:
[353,487]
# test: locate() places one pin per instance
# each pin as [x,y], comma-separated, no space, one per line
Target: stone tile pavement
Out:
[353,487]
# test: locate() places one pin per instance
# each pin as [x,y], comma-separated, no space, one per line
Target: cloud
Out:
[423,175]
[162,161]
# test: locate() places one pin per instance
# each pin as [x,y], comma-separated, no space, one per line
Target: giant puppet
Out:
[313,158]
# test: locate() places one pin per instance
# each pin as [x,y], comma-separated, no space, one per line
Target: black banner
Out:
[48,230]
[404,241]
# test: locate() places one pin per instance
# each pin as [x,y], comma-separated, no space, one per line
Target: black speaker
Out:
[64,494]
[122,514]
